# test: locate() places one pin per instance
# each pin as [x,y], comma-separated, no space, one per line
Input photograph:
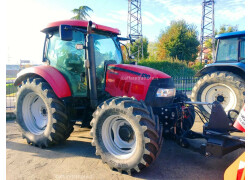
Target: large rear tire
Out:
[41,114]
[125,134]
[225,87]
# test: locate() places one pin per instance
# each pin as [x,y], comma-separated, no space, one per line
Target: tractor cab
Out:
[66,50]
[231,47]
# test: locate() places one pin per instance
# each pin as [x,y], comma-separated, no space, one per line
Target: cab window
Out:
[68,58]
[228,50]
[64,54]
[242,50]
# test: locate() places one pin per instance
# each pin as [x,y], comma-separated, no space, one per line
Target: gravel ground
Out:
[76,159]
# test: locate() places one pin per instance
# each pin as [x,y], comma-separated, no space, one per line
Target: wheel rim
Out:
[35,113]
[119,137]
[219,92]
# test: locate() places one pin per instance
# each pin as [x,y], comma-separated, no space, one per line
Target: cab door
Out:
[69,58]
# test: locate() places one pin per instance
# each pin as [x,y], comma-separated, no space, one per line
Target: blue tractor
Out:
[223,80]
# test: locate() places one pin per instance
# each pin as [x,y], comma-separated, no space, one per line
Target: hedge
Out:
[172,68]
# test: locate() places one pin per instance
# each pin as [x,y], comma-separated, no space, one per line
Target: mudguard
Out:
[56,80]
[236,68]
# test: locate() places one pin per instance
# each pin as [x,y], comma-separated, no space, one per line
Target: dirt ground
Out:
[76,159]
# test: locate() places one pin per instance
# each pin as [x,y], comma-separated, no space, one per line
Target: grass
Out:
[10,79]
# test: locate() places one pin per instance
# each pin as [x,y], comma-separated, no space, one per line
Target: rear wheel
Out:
[40,114]
[125,134]
[225,87]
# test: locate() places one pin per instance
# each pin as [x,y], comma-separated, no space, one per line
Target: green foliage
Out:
[172,67]
[178,41]
[134,48]
[81,13]
[197,66]
[152,50]
[226,28]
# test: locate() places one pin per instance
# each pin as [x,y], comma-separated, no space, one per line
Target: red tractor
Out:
[128,106]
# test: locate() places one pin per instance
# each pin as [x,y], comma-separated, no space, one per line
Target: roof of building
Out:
[80,23]
[230,34]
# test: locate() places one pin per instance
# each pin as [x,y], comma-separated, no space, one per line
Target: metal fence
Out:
[10,95]
[184,84]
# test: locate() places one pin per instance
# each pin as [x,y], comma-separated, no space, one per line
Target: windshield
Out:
[227,50]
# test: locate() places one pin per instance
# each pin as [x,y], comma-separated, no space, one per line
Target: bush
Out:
[197,66]
[172,67]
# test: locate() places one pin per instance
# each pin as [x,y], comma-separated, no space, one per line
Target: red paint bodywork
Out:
[56,80]
[81,23]
[128,80]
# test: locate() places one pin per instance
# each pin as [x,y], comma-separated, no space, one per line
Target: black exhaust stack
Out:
[90,64]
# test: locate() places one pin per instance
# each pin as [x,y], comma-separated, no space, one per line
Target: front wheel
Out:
[225,87]
[125,134]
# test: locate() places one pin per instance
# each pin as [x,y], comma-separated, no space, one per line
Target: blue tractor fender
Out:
[237,68]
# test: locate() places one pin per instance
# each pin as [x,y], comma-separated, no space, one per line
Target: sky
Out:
[26,18]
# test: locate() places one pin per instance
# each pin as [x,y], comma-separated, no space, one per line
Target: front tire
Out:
[40,114]
[125,134]
[225,87]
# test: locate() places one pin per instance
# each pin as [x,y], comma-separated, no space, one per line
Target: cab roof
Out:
[230,34]
[79,23]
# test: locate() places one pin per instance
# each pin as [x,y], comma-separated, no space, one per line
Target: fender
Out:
[236,68]
[55,79]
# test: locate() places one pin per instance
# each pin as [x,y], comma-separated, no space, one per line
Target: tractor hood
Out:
[139,71]
[137,81]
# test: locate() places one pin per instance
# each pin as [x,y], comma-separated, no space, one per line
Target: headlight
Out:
[165,92]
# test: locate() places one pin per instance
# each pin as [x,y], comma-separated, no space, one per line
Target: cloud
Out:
[191,10]
[152,19]
[151,16]
[232,10]
[102,20]
[233,15]
[118,15]
[188,10]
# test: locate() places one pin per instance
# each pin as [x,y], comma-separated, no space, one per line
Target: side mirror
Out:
[131,40]
[132,57]
[66,33]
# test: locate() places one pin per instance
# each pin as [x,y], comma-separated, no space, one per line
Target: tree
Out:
[178,41]
[152,50]
[81,13]
[134,48]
